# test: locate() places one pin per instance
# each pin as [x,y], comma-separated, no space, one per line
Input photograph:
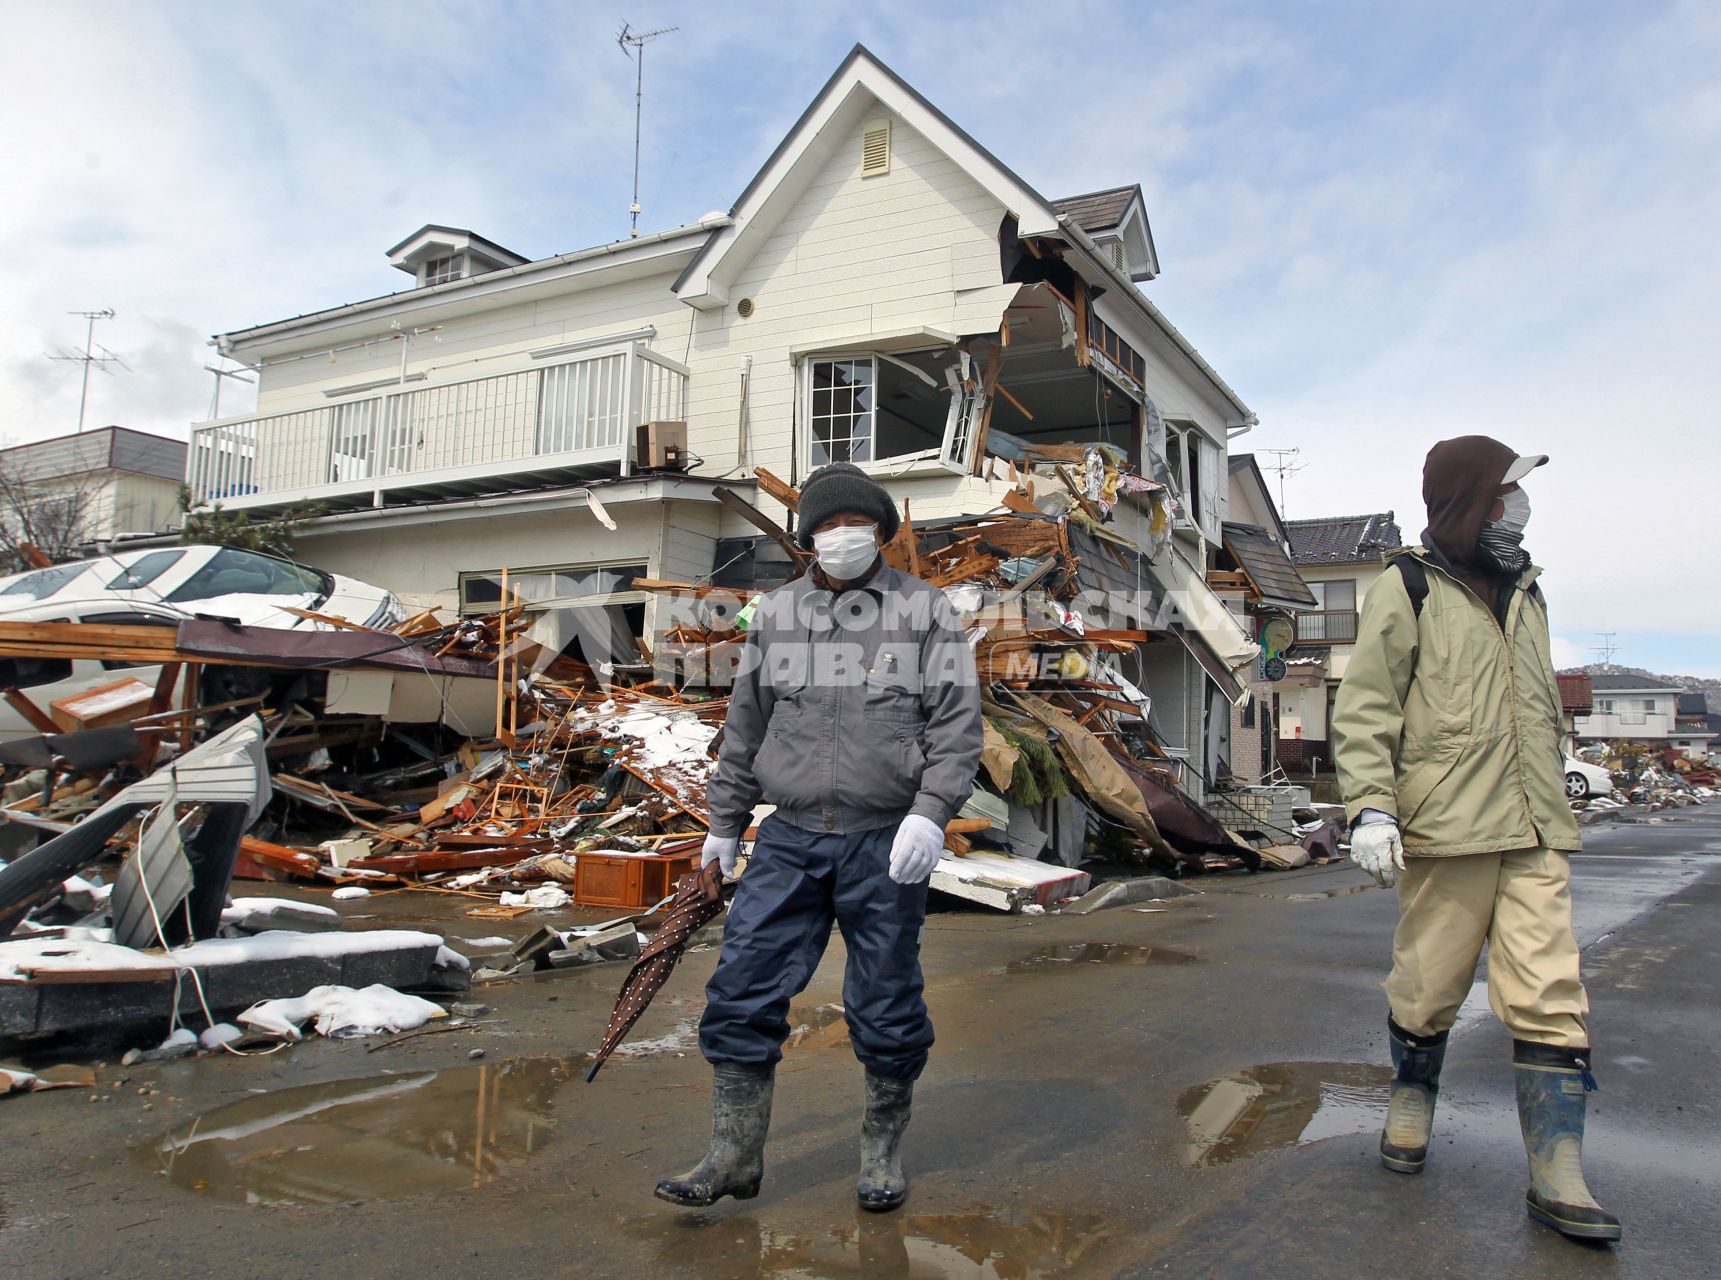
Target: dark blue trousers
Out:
[797,883]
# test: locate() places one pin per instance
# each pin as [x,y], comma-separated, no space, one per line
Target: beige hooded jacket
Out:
[1451,721]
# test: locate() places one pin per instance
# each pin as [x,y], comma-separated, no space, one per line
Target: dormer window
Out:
[442,270]
[440,255]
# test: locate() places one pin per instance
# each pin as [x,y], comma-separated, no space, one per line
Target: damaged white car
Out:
[163,587]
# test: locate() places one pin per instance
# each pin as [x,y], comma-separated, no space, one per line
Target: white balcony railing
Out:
[573,418]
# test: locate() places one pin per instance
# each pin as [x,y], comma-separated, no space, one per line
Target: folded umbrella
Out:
[698,898]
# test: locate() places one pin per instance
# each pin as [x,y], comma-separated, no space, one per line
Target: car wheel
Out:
[1577,786]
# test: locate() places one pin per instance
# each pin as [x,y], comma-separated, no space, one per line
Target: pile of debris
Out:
[1650,776]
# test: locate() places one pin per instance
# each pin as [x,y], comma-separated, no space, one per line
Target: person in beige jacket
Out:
[1447,733]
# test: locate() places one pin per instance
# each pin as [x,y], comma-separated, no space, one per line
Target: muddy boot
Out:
[1410,1112]
[882,1187]
[1552,1082]
[735,1164]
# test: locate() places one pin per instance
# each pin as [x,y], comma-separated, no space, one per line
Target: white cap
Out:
[1522,466]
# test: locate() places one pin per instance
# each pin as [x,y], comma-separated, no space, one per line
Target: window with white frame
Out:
[865,408]
[442,270]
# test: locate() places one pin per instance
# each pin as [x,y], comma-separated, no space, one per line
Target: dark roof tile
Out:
[1097,210]
[1343,539]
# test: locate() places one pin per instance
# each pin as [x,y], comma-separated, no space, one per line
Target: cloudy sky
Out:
[1384,224]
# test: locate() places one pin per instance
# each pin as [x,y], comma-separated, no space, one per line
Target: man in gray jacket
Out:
[856,712]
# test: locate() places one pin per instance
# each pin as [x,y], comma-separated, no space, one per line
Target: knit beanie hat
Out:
[843,488]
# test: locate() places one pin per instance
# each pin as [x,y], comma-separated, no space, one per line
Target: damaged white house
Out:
[884,291]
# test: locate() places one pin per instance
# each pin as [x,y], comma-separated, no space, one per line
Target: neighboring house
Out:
[884,291]
[1577,698]
[1639,709]
[1340,558]
[92,486]
[1253,570]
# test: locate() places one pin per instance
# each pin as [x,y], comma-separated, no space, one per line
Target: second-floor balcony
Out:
[568,418]
[1333,626]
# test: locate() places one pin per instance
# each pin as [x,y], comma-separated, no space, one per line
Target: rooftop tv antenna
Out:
[1607,648]
[1285,464]
[88,356]
[628,38]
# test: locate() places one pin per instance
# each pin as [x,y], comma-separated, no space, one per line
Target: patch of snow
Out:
[682,1037]
[543,898]
[450,959]
[16,1080]
[342,1011]
[263,610]
[180,1038]
[61,955]
[221,1033]
[488,942]
[347,892]
[242,907]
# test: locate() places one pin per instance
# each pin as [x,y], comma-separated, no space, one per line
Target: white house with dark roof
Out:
[1635,708]
[1340,558]
[884,291]
[99,484]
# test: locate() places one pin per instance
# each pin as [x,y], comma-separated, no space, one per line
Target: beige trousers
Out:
[1520,903]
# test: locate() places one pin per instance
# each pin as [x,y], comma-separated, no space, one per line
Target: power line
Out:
[637,40]
[88,356]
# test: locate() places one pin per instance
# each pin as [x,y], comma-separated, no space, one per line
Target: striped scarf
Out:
[1502,547]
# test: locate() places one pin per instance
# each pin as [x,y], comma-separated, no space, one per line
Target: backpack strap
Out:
[1415,577]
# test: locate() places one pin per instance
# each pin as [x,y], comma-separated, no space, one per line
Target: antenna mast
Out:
[1607,648]
[88,356]
[628,38]
[1282,467]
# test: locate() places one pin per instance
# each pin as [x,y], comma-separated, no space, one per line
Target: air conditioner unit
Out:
[661,446]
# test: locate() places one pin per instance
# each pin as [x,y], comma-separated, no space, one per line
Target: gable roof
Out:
[860,86]
[457,238]
[1632,684]
[857,87]
[1343,539]
[1099,210]
[1238,464]
[1269,568]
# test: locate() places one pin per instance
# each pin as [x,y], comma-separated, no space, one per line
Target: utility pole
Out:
[1284,466]
[88,356]
[215,405]
[627,39]
[1607,648]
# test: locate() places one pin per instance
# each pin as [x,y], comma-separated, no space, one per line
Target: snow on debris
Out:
[240,908]
[543,898]
[59,955]
[346,893]
[342,1011]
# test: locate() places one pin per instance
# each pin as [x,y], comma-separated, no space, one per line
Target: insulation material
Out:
[1101,777]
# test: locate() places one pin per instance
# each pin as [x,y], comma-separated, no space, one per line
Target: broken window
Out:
[589,613]
[866,408]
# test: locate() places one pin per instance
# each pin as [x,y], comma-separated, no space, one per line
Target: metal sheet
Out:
[157,875]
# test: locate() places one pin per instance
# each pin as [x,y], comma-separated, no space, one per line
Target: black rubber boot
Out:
[740,1117]
[1552,1086]
[882,1186]
[1410,1112]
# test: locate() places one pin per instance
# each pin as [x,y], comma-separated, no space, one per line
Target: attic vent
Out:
[1116,247]
[875,149]
[744,308]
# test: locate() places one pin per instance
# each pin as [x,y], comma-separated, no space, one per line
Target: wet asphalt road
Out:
[1194,1089]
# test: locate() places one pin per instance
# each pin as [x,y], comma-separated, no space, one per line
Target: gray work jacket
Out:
[850,710]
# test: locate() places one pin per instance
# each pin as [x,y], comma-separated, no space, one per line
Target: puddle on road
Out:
[1281,1104]
[368,1139]
[1325,894]
[818,1027]
[1124,953]
[1006,1245]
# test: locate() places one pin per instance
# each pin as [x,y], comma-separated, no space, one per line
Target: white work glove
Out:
[1378,850]
[721,850]
[915,850]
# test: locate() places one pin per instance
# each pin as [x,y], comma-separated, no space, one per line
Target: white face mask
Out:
[1517,513]
[846,551]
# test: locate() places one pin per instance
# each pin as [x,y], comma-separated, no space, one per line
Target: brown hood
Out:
[1460,481]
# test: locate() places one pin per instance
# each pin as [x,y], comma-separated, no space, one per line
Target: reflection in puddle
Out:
[820,1027]
[1281,1104]
[367,1139]
[1097,953]
[1007,1245]
[1324,894]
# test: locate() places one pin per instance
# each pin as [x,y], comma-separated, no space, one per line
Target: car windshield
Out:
[245,573]
[144,570]
[44,582]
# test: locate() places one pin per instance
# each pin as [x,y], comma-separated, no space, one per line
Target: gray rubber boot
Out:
[882,1186]
[1410,1111]
[740,1118]
[1552,1086]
